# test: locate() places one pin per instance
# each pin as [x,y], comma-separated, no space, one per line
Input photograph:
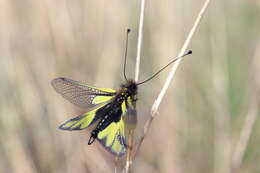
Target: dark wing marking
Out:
[81,122]
[112,132]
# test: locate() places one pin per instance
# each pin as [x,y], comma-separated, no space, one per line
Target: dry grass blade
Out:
[140,38]
[137,67]
[158,100]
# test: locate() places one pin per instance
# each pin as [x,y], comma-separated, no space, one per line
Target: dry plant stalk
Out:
[154,110]
[158,100]
[130,135]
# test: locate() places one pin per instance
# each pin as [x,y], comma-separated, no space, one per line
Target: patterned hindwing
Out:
[82,121]
[81,94]
[113,138]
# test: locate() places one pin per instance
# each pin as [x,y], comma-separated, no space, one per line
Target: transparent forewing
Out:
[81,94]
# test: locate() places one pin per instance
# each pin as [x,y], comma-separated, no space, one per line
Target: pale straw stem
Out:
[129,152]
[140,39]
[158,100]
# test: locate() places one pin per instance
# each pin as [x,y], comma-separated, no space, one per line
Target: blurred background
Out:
[208,120]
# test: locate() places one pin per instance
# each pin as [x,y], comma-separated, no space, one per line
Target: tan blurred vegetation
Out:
[214,93]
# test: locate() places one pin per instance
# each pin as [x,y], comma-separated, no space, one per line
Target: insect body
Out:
[108,108]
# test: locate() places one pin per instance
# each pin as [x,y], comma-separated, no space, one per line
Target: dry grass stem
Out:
[137,69]
[140,38]
[158,100]
[176,64]
[116,164]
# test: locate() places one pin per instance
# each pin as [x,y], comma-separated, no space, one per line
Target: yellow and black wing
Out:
[83,96]
[81,122]
[113,137]
[80,94]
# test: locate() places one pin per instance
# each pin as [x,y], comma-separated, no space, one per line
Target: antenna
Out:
[159,71]
[127,33]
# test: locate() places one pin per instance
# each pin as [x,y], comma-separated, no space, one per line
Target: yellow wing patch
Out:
[80,122]
[130,105]
[104,89]
[113,138]
[101,99]
[123,107]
